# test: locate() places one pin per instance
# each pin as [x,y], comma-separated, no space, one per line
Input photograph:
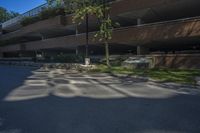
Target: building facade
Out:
[147,27]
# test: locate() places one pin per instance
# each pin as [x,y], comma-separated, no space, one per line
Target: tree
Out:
[3,14]
[83,8]
[101,10]
[13,14]
[54,2]
[106,28]
[6,15]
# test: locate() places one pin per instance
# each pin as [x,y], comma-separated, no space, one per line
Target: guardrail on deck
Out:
[31,13]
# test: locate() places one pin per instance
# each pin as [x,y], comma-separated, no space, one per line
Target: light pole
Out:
[87,60]
[87,36]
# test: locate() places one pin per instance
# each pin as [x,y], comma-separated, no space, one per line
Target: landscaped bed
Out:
[166,75]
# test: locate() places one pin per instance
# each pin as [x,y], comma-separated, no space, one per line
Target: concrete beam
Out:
[133,35]
[51,23]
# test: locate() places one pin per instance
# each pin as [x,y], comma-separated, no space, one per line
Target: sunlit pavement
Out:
[36,100]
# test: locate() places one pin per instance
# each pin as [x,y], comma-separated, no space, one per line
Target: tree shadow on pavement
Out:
[52,114]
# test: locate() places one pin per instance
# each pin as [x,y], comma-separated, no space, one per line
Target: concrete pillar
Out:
[141,50]
[42,36]
[76,29]
[139,21]
[77,51]
[1,54]
[20,54]
[43,54]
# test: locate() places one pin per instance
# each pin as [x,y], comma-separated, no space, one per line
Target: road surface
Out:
[34,100]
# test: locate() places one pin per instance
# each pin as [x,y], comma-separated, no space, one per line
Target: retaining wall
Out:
[184,61]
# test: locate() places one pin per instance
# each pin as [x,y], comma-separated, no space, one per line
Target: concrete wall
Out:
[51,23]
[158,32]
[118,9]
[130,5]
[10,48]
[171,7]
[134,35]
[184,61]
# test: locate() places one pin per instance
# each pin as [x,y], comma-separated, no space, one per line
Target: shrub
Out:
[65,58]
[114,60]
[69,58]
[51,12]
[29,20]
[45,14]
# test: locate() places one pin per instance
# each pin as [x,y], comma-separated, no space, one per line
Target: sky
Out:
[20,6]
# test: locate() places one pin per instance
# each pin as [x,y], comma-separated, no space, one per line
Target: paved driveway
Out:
[56,101]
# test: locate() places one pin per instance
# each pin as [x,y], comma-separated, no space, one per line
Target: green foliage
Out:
[13,14]
[51,12]
[45,14]
[71,6]
[105,32]
[91,7]
[99,10]
[114,61]
[6,15]
[65,58]
[164,75]
[69,58]
[29,20]
[54,2]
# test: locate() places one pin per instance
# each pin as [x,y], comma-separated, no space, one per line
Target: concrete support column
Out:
[1,54]
[76,29]
[77,51]
[1,30]
[43,54]
[42,36]
[139,21]
[141,50]
[20,54]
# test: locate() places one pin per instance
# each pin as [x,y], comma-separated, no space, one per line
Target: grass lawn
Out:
[166,75]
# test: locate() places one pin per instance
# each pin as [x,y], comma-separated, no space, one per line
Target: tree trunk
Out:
[107,54]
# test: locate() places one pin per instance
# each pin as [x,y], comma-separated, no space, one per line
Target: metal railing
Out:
[11,21]
[31,13]
[35,11]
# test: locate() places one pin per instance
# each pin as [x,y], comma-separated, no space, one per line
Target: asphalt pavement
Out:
[35,100]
